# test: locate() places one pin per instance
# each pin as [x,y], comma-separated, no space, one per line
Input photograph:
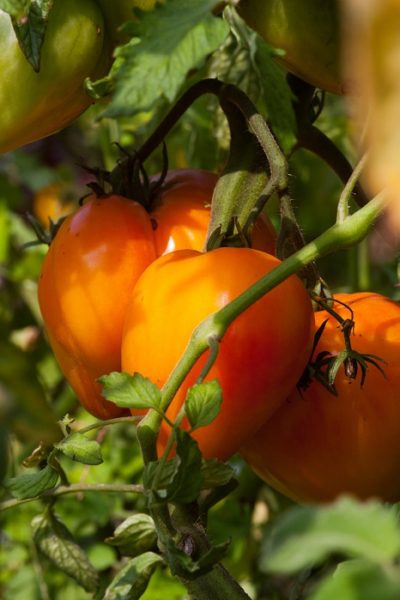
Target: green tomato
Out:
[309,33]
[34,105]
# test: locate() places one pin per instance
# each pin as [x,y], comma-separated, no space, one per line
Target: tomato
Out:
[317,445]
[49,204]
[93,264]
[261,356]
[34,105]
[309,33]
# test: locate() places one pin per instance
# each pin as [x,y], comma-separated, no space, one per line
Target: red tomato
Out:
[317,445]
[93,264]
[261,356]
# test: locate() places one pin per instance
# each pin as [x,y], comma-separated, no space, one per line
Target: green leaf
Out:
[277,97]
[55,541]
[31,31]
[32,484]
[15,8]
[306,536]
[132,580]
[175,39]
[203,403]
[360,580]
[186,484]
[77,447]
[215,474]
[135,535]
[130,391]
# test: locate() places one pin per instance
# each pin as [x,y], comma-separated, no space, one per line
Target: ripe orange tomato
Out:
[260,357]
[317,445]
[93,264]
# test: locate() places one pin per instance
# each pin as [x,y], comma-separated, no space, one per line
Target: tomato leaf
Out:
[203,403]
[30,32]
[371,581]
[77,447]
[135,535]
[32,484]
[15,8]
[131,582]
[174,39]
[130,391]
[55,541]
[306,536]
[216,474]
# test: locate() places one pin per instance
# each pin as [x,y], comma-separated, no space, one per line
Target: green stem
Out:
[343,204]
[101,424]
[77,488]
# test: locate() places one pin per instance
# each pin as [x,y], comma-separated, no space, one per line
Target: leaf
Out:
[359,580]
[174,39]
[135,535]
[215,474]
[77,447]
[32,484]
[186,484]
[306,536]
[15,8]
[55,541]
[277,97]
[130,391]
[131,582]
[31,31]
[203,403]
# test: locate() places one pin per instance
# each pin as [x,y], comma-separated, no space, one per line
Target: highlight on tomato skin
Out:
[317,445]
[96,259]
[261,355]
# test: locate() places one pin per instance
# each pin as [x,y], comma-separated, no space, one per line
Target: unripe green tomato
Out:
[34,105]
[309,33]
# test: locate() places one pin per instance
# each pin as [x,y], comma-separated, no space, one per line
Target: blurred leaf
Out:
[216,474]
[3,452]
[32,484]
[203,403]
[162,586]
[135,535]
[130,391]
[4,231]
[360,580]
[16,8]
[102,556]
[31,31]
[30,416]
[77,447]
[56,542]
[174,39]
[305,536]
[132,580]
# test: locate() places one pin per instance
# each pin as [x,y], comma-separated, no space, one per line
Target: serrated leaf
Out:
[135,535]
[77,447]
[32,484]
[31,32]
[359,580]
[15,8]
[306,536]
[277,97]
[130,391]
[55,541]
[215,474]
[159,480]
[131,582]
[203,403]
[174,39]
[186,484]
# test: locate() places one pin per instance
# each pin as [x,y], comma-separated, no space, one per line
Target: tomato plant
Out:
[74,48]
[94,262]
[307,32]
[318,445]
[261,355]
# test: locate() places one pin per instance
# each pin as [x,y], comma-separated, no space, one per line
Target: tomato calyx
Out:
[326,365]
[43,235]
